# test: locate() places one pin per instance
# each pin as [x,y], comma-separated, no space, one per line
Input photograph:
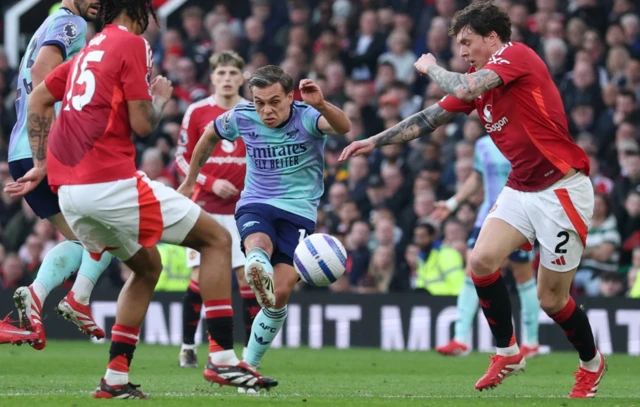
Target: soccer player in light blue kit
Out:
[284,182]
[491,172]
[58,39]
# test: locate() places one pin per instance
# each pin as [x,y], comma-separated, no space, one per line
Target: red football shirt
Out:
[525,118]
[91,139]
[227,160]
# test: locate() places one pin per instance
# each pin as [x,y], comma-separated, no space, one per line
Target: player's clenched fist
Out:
[311,93]
[357,148]
[424,62]
[161,88]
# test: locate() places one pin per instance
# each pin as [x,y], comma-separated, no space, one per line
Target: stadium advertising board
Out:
[409,321]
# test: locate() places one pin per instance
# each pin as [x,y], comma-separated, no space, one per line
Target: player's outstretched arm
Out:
[465,87]
[412,127]
[201,154]
[471,185]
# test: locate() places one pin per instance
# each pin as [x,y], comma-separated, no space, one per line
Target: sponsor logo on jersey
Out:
[490,126]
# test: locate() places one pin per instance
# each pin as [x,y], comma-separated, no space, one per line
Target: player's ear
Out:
[290,97]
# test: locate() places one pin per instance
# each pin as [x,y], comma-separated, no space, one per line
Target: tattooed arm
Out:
[464,86]
[201,153]
[412,127]
[415,126]
[39,120]
[144,115]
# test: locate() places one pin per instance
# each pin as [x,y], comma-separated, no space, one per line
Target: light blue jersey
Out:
[495,169]
[285,165]
[62,29]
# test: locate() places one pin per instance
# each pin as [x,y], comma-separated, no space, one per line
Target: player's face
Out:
[226,80]
[88,9]
[475,48]
[272,104]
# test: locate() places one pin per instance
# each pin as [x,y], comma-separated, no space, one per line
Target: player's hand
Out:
[224,189]
[161,88]
[357,148]
[424,62]
[27,183]
[311,93]
[186,189]
[441,211]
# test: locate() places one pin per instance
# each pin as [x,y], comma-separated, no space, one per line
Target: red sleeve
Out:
[454,105]
[186,144]
[56,81]
[510,62]
[136,70]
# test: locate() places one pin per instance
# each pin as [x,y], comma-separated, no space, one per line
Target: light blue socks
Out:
[90,271]
[467,308]
[259,255]
[530,309]
[264,329]
[58,265]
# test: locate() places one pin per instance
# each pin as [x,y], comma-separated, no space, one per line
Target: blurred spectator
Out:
[601,254]
[31,254]
[12,274]
[361,56]
[440,268]
[400,56]
[358,254]
[381,269]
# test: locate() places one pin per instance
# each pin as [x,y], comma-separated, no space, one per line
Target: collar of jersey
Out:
[284,123]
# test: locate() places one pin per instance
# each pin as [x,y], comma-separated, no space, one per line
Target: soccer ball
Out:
[320,259]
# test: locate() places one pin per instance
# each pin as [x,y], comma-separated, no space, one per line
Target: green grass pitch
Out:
[65,373]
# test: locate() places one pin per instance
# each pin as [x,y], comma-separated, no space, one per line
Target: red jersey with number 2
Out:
[90,141]
[525,118]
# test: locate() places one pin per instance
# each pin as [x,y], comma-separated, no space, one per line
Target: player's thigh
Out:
[60,223]
[562,217]
[146,263]
[506,229]
[554,288]
[241,277]
[93,228]
[290,230]
[254,223]
[42,200]
[237,256]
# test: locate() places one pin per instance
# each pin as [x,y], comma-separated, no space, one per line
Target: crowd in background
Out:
[361,54]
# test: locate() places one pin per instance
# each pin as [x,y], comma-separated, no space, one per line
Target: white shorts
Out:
[237,256]
[558,217]
[125,215]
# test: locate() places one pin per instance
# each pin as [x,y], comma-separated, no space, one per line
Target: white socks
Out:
[114,378]
[508,351]
[592,365]
[224,357]
[82,289]
[40,291]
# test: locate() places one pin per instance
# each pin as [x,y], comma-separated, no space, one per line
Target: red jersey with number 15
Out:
[525,118]
[90,141]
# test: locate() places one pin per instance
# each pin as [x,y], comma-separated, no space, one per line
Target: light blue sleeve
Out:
[310,118]
[67,33]
[477,158]
[226,125]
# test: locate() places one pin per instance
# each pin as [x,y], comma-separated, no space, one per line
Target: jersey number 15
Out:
[85,77]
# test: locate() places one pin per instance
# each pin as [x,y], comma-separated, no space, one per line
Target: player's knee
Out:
[482,263]
[551,301]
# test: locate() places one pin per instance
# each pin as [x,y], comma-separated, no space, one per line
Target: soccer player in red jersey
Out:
[548,196]
[106,93]
[220,183]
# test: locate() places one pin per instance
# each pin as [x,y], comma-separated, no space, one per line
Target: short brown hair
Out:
[483,17]
[226,58]
[270,74]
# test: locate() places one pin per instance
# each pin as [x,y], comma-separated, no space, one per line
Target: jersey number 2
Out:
[86,77]
[565,239]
